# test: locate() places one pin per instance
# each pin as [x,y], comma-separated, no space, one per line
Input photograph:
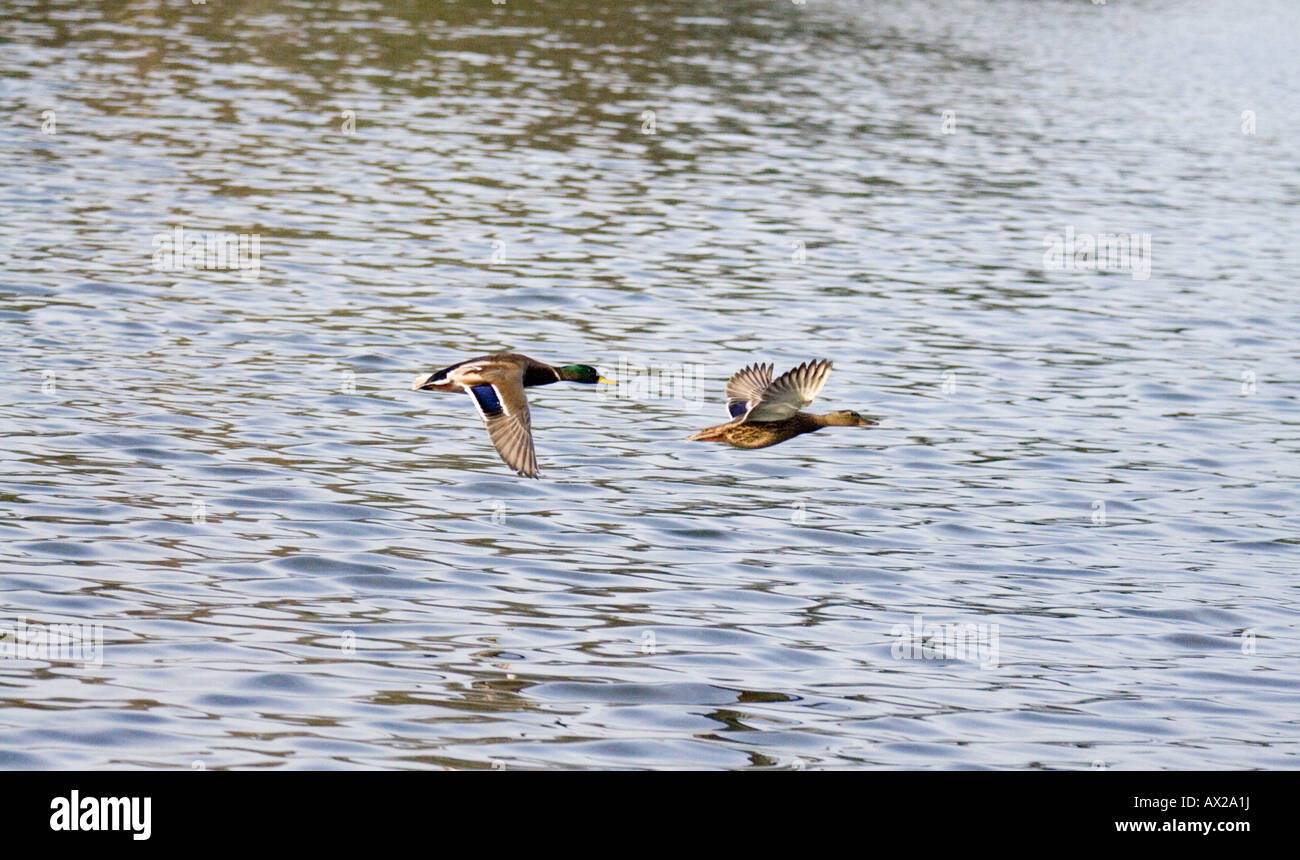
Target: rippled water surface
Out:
[298,562]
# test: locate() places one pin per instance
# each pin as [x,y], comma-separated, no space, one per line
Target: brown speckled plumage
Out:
[761,434]
[751,393]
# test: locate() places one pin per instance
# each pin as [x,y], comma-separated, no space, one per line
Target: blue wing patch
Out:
[487,399]
[737,409]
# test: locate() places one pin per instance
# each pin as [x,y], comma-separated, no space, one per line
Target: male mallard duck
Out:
[496,384]
[766,413]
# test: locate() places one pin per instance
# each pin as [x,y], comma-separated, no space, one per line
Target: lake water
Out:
[296,562]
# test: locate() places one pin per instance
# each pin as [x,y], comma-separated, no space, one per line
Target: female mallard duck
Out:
[766,413]
[496,384]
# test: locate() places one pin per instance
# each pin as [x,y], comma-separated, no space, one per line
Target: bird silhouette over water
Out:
[766,412]
[496,383]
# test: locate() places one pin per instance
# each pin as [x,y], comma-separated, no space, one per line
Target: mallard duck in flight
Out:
[496,384]
[764,412]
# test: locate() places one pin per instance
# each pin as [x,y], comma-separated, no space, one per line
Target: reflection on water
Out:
[297,562]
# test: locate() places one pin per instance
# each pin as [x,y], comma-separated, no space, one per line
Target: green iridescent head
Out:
[581,373]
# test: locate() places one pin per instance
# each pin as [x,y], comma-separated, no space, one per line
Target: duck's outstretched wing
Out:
[745,388]
[504,410]
[790,392]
